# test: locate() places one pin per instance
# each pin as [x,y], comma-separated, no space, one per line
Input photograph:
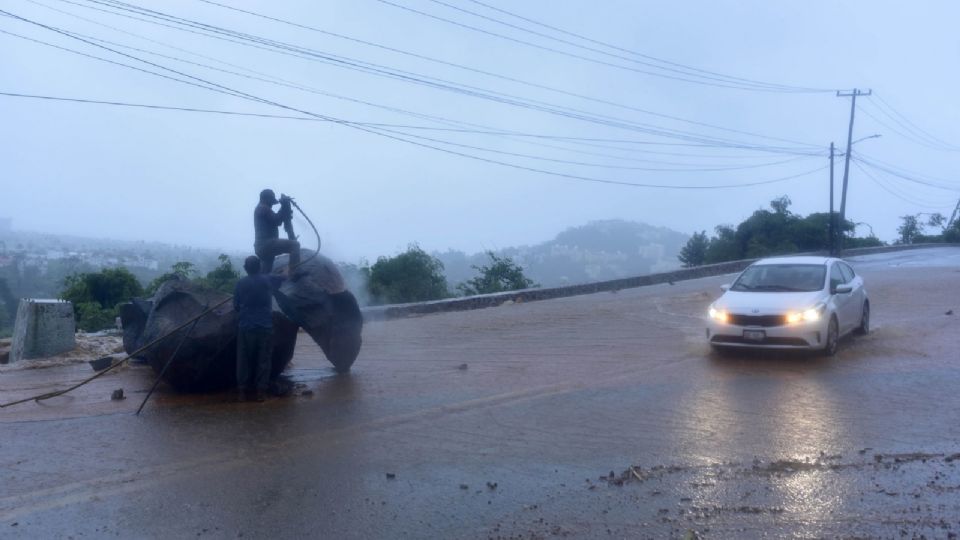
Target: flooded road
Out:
[591,416]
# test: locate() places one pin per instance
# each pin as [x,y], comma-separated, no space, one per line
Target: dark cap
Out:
[252,264]
[269,197]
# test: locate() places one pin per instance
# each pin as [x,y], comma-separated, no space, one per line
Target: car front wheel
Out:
[833,338]
[864,327]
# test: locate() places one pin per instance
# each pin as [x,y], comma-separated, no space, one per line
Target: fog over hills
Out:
[35,264]
[599,250]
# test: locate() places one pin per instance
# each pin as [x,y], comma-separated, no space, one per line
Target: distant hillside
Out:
[596,251]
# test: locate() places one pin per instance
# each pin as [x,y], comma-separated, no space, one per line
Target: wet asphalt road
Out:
[510,422]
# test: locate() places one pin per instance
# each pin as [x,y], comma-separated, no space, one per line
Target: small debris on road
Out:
[464,486]
[391,476]
[306,393]
[463,367]
[492,485]
[117,395]
[949,312]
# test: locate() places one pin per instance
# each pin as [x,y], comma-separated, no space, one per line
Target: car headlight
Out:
[809,315]
[718,315]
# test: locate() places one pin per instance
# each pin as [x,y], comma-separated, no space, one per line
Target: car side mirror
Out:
[725,287]
[842,289]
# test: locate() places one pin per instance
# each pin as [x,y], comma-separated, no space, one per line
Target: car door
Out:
[858,295]
[843,302]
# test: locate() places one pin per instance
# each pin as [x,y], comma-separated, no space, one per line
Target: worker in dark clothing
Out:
[253,301]
[266,223]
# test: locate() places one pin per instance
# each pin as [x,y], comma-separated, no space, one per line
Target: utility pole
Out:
[832,227]
[953,216]
[846,167]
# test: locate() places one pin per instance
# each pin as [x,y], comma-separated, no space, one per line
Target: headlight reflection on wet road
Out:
[788,422]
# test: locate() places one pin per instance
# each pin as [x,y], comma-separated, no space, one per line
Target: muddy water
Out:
[509,421]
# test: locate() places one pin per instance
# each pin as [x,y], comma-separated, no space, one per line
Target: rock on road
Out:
[591,416]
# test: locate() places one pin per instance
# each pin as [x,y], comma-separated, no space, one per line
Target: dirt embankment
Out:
[89,347]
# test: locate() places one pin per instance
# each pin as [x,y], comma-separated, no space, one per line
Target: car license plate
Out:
[754,335]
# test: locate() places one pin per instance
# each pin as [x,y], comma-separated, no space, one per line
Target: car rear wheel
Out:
[833,338]
[864,327]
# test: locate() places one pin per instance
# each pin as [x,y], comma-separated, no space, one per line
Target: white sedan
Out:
[790,303]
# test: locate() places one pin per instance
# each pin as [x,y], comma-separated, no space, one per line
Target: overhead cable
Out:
[730,84]
[903,196]
[491,74]
[442,84]
[378,131]
[647,56]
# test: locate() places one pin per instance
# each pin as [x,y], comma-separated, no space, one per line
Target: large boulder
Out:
[316,298]
[133,319]
[207,359]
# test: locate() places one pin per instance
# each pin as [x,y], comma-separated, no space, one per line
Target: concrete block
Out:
[43,328]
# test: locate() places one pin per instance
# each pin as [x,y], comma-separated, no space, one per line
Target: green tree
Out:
[179,270]
[724,246]
[502,274]
[224,277]
[778,231]
[910,229]
[768,233]
[95,296]
[952,233]
[937,220]
[412,276]
[8,309]
[780,205]
[694,253]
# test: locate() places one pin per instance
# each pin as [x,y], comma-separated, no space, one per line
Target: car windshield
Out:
[781,278]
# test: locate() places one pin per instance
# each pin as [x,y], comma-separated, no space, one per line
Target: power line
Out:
[94,57]
[870,160]
[646,56]
[443,84]
[569,162]
[507,135]
[578,56]
[380,132]
[904,176]
[893,191]
[906,136]
[511,79]
[386,127]
[685,167]
[911,126]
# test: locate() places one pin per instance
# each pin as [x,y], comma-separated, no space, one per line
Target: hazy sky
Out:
[193,178]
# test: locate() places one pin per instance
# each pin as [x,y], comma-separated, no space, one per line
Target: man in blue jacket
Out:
[253,303]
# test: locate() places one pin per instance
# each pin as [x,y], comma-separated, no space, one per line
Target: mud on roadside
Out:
[89,347]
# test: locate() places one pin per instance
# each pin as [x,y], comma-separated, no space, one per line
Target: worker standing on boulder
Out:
[266,224]
[253,303]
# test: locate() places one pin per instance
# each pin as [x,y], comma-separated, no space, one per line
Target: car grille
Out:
[757,320]
[788,341]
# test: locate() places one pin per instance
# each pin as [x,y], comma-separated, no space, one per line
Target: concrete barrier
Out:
[397,311]
[43,328]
